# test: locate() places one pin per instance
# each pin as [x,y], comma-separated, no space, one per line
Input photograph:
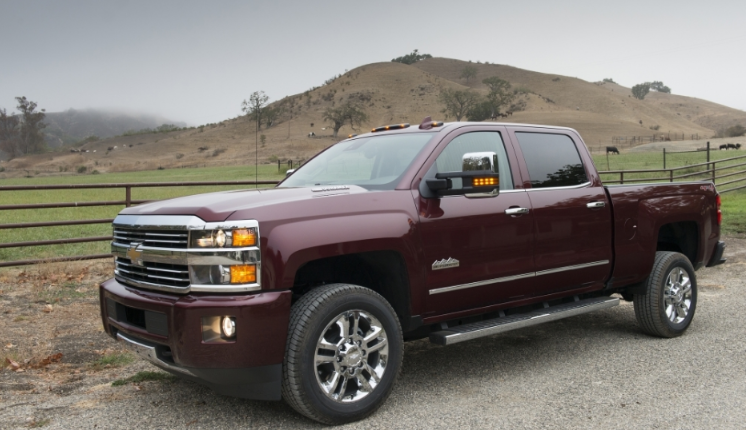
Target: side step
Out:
[466,332]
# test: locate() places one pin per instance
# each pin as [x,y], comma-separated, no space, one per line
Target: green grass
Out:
[65,291]
[144,376]
[116,359]
[232,173]
[734,212]
[654,160]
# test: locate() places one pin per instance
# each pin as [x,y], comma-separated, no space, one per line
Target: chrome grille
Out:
[171,275]
[177,239]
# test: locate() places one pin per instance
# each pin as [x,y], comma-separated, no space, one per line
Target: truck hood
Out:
[216,207]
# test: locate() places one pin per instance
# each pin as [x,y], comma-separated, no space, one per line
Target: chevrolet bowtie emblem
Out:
[445,263]
[134,255]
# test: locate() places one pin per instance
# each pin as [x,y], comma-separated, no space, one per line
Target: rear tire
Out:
[667,307]
[343,353]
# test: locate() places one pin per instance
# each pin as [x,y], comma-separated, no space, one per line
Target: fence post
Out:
[278,164]
[708,152]
[664,158]
[621,177]
[127,196]
[713,173]
[670,175]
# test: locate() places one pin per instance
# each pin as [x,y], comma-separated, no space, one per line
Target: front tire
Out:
[343,353]
[667,307]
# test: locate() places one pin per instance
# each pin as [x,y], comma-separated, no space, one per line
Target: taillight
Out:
[720,213]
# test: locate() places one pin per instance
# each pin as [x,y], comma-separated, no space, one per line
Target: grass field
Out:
[734,203]
[266,173]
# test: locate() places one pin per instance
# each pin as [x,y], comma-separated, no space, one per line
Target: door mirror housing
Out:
[479,177]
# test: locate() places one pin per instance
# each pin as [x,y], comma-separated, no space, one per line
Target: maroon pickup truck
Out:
[450,232]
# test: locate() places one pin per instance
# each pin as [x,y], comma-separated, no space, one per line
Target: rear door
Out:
[571,212]
[475,253]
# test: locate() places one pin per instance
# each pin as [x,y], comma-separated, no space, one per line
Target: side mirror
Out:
[472,161]
[289,172]
[479,176]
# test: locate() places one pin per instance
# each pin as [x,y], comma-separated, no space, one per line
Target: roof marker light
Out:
[428,123]
[390,127]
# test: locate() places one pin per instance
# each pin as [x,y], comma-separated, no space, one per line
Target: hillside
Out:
[392,93]
[74,125]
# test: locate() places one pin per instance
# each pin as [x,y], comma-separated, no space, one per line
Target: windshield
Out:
[375,163]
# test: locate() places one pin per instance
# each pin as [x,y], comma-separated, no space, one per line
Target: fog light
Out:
[228,326]
[243,274]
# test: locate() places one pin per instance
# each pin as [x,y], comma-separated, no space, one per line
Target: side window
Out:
[552,160]
[451,159]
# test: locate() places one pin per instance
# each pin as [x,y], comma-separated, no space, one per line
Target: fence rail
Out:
[711,170]
[127,202]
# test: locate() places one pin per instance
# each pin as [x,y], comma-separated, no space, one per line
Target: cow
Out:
[738,146]
[509,113]
[731,146]
[723,147]
[311,134]
[612,150]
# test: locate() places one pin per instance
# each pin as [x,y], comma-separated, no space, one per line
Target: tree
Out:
[468,73]
[271,114]
[639,91]
[658,86]
[347,113]
[735,131]
[30,137]
[412,58]
[255,107]
[9,142]
[458,102]
[480,111]
[609,80]
[500,94]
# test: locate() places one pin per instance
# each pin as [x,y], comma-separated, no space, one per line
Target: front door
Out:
[476,254]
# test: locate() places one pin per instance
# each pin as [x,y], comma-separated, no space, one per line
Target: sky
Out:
[197,61]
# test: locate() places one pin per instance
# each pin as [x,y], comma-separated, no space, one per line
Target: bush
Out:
[735,131]
[655,127]
[217,152]
[273,158]
[95,172]
[412,58]
[609,80]
[2,169]
[179,156]
[82,169]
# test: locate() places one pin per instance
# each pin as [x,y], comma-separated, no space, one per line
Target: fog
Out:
[195,61]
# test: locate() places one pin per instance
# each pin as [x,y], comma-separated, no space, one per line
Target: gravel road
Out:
[590,371]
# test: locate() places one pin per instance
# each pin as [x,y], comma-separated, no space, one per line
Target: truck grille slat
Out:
[159,239]
[170,275]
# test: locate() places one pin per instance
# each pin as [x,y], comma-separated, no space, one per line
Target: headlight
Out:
[236,238]
[223,274]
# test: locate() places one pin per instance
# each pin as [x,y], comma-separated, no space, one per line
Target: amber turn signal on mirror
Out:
[485,182]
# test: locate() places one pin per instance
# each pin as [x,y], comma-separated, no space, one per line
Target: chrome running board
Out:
[461,333]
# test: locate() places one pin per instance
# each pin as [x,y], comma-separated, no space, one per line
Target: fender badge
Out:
[134,255]
[445,263]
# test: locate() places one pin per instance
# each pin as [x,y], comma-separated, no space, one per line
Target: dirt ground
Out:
[59,368]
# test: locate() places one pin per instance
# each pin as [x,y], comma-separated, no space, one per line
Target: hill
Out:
[393,93]
[74,125]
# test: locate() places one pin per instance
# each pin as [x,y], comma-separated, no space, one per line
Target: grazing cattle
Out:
[723,147]
[311,134]
[509,113]
[738,146]
[612,150]
[731,146]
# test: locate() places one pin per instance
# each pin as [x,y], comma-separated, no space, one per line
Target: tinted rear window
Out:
[552,160]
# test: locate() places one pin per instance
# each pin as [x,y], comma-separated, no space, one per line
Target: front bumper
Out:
[166,329]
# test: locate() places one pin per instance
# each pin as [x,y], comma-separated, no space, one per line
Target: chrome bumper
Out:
[149,353]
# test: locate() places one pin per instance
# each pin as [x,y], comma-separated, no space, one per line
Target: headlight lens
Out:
[237,238]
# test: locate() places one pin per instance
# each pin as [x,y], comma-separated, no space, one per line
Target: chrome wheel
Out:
[351,356]
[677,295]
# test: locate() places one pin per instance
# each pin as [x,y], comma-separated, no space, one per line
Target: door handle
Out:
[516,211]
[596,205]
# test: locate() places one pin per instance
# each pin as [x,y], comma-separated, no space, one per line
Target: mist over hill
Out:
[74,125]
